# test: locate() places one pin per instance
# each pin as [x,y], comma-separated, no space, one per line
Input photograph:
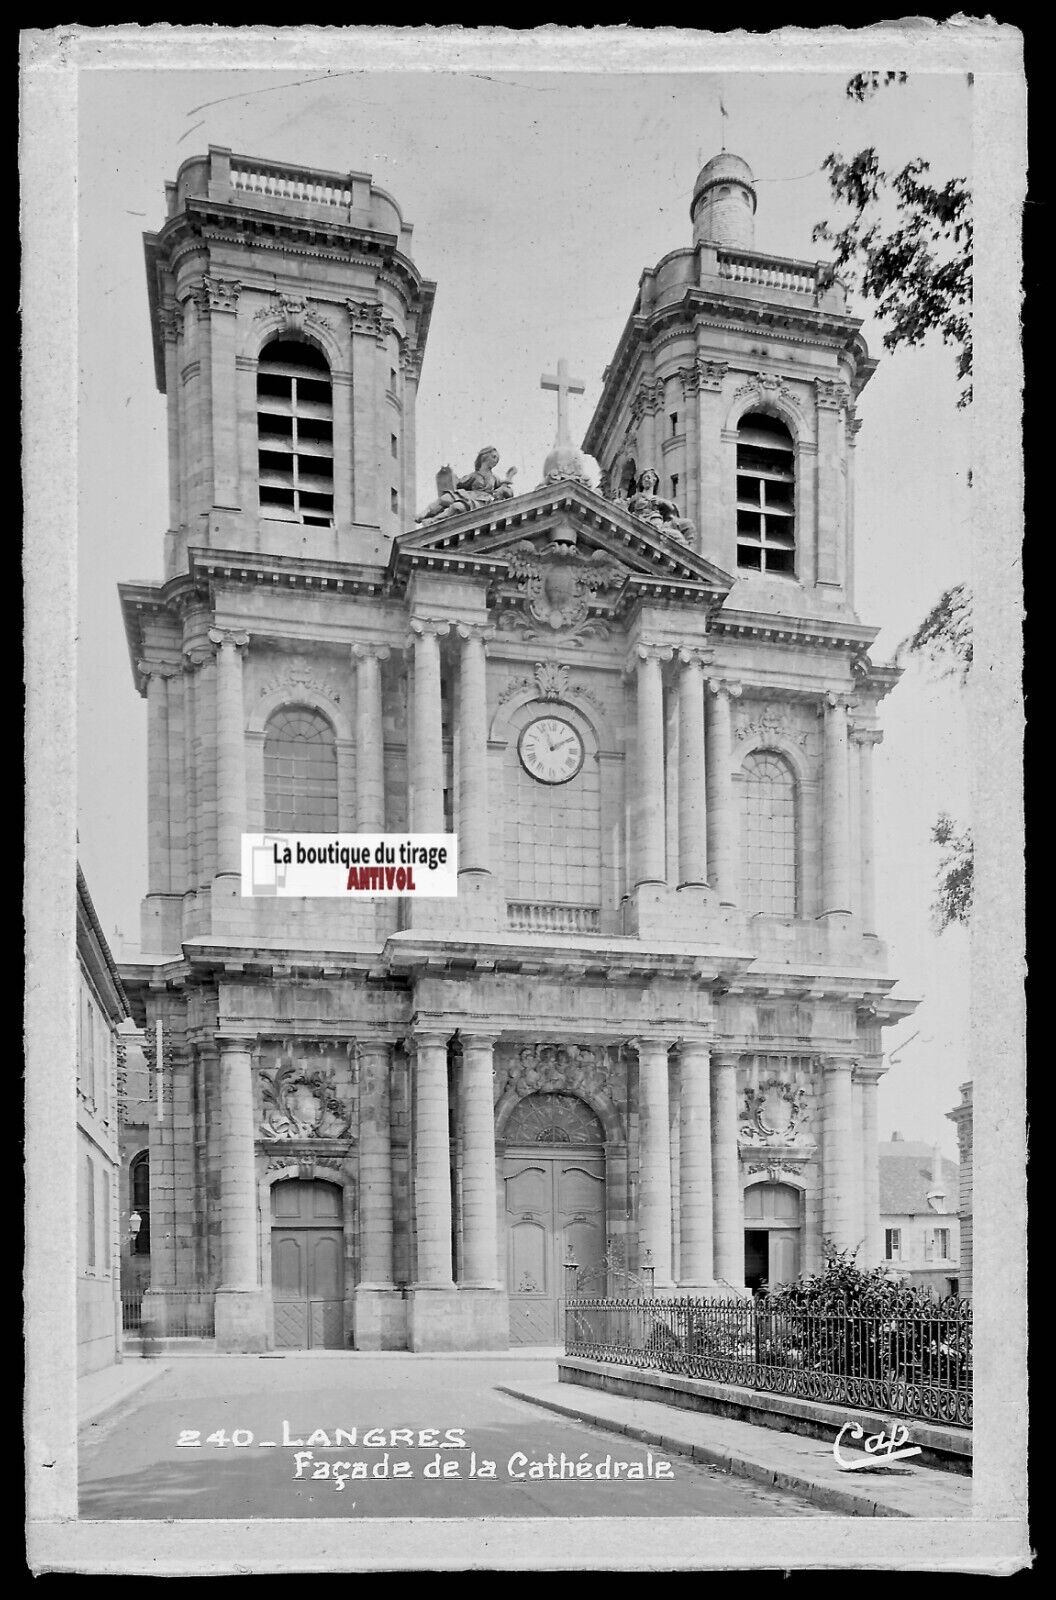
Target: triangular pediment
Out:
[563,523]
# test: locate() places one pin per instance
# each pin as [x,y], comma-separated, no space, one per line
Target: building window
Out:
[674,486]
[89,1210]
[394,500]
[300,772]
[770,875]
[937,1245]
[766,495]
[394,445]
[674,424]
[892,1244]
[295,433]
[139,1185]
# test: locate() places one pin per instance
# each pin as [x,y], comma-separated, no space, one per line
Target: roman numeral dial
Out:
[551,750]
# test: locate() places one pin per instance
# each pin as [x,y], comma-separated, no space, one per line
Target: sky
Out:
[537,199]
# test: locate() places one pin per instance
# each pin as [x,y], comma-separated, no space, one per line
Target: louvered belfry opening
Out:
[295,433]
[766,495]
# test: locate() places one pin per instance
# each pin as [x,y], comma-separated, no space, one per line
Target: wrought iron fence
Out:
[182,1314]
[914,1363]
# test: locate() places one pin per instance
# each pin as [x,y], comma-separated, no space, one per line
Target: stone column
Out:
[432,1162]
[367,406]
[832,397]
[170,322]
[722,814]
[239,1302]
[428,737]
[649,833]
[474,820]
[370,738]
[716,539]
[868,1077]
[221,303]
[691,399]
[727,1201]
[159,877]
[692,786]
[411,368]
[230,750]
[867,740]
[375,1166]
[479,1218]
[654,1160]
[838,1185]
[695,1174]
[836,842]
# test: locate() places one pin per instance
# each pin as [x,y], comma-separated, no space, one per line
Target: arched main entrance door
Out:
[307,1265]
[772,1232]
[554,1181]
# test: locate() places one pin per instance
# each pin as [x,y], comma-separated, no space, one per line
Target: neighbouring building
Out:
[102,1006]
[648,1032]
[918,1214]
[961,1117]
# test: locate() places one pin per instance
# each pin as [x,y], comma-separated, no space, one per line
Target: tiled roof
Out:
[905,1178]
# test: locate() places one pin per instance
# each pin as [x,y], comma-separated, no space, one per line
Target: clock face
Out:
[551,750]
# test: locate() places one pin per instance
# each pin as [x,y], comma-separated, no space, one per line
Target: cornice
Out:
[819,632]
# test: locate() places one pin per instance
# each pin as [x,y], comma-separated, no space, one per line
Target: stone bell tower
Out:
[289,325]
[735,380]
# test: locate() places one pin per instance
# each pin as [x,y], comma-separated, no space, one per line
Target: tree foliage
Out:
[956,873]
[916,268]
[842,1285]
[944,638]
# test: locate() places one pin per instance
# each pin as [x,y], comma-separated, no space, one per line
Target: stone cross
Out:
[564,386]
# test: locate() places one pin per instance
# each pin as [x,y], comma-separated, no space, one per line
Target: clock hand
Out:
[560,742]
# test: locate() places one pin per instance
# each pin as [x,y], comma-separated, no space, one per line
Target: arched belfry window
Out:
[295,433]
[766,495]
[769,835]
[300,771]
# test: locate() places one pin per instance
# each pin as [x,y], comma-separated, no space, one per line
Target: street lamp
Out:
[135,1222]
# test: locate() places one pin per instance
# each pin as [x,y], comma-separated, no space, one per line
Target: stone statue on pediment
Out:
[480,487]
[646,504]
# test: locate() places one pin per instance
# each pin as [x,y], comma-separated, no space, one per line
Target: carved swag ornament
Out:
[302,1104]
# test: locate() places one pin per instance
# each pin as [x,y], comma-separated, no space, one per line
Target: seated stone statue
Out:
[650,507]
[478,488]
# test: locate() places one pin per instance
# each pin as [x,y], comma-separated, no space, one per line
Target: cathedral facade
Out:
[644,1040]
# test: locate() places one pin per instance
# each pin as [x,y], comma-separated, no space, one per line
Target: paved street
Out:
[420,1437]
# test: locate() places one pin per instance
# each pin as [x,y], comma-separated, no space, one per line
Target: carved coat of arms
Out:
[299,1104]
[775,1112]
[559,582]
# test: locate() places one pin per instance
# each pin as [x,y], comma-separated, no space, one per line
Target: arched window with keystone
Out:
[766,495]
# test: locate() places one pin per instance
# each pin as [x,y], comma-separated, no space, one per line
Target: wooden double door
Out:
[307,1265]
[554,1202]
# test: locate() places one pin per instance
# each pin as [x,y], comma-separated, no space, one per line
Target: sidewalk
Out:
[101,1392]
[783,1460]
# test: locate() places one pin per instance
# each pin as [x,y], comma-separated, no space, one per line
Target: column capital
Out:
[477,1041]
[695,656]
[691,1047]
[640,1042]
[835,1064]
[229,1042]
[471,632]
[838,700]
[428,628]
[228,636]
[831,394]
[727,686]
[358,1048]
[867,1072]
[170,321]
[867,736]
[651,650]
[216,294]
[159,669]
[364,650]
[428,1039]
[726,1058]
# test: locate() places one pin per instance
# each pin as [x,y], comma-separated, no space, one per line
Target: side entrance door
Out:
[307,1265]
[553,1202]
